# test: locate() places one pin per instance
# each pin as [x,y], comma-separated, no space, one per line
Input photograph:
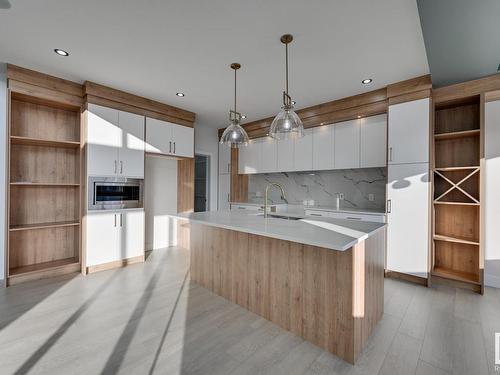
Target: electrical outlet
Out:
[341,196]
[371,197]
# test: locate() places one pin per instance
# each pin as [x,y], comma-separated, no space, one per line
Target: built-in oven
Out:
[111,193]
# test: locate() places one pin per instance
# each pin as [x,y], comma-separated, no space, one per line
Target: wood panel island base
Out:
[333,299]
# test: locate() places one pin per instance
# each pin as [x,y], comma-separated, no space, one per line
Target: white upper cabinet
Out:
[183,141]
[285,152]
[269,159]
[323,147]
[373,141]
[408,140]
[103,141]
[250,157]
[225,159]
[115,141]
[131,154]
[347,139]
[169,139]
[303,155]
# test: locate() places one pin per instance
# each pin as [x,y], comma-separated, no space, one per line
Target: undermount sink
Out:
[284,217]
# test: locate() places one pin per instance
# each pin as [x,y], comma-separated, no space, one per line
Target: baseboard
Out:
[492,280]
[115,264]
[406,277]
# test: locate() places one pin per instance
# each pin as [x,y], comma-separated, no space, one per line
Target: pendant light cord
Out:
[235,90]
[286,67]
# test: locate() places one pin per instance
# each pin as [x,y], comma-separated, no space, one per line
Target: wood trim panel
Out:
[406,277]
[492,96]
[44,274]
[409,86]
[115,264]
[331,298]
[32,77]
[466,89]
[185,185]
[30,92]
[96,90]
[410,97]
[239,182]
[132,109]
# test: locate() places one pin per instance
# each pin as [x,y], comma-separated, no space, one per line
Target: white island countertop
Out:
[334,234]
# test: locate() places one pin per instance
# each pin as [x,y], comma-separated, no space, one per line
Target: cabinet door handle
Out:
[228,197]
[228,167]
[312,214]
[174,147]
[390,153]
[115,220]
[121,167]
[353,218]
[389,206]
[121,220]
[170,147]
[116,166]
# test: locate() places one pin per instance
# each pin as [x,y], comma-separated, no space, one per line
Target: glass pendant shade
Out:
[234,135]
[287,124]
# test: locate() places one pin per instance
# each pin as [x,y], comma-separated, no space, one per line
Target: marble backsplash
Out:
[319,188]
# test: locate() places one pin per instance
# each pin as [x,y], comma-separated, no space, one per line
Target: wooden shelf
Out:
[458,203]
[15,228]
[16,140]
[41,267]
[441,237]
[456,168]
[43,184]
[458,134]
[465,277]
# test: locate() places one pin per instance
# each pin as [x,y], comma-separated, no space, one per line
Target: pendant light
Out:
[234,135]
[287,123]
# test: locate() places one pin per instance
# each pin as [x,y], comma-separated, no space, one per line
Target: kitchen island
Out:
[321,279]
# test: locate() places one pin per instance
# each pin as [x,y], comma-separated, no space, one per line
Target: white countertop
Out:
[334,234]
[300,209]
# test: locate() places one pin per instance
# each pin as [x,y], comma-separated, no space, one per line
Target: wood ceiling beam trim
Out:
[46,81]
[466,89]
[97,90]
[409,86]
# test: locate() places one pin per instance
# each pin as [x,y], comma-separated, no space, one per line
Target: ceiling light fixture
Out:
[243,116]
[367,81]
[181,94]
[287,123]
[234,135]
[61,52]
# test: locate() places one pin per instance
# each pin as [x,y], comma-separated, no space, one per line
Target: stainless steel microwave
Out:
[111,193]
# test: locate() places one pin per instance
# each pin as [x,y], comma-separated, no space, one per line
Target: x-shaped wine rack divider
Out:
[456,185]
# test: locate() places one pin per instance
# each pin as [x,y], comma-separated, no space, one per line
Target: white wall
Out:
[160,199]
[491,202]
[3,165]
[206,142]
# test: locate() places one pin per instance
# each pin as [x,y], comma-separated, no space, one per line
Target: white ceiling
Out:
[156,48]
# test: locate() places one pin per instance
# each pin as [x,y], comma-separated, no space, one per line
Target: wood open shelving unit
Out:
[44,189]
[456,209]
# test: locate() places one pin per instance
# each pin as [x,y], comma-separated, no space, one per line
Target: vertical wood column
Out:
[239,182]
[185,199]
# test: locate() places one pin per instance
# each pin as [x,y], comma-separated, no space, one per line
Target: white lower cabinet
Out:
[114,236]
[408,219]
[224,192]
[377,218]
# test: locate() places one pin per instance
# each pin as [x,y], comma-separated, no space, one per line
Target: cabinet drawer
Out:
[246,207]
[347,216]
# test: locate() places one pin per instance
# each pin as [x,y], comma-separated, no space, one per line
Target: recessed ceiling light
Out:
[181,94]
[243,116]
[367,81]
[61,52]
[294,102]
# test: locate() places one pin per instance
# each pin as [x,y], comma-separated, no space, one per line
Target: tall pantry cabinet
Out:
[408,188]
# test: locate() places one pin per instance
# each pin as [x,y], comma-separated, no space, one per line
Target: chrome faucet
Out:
[283,196]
